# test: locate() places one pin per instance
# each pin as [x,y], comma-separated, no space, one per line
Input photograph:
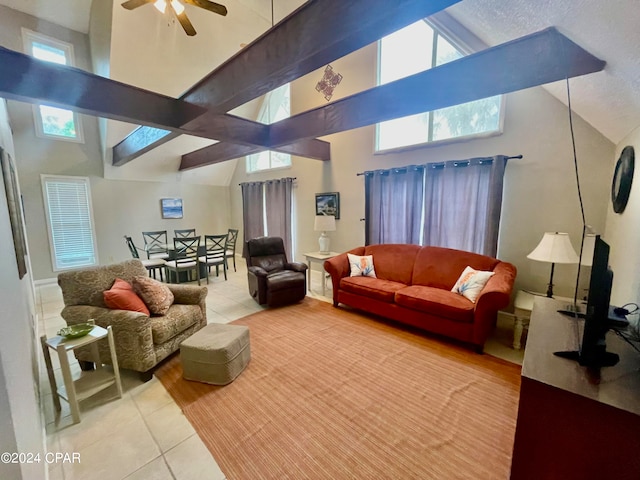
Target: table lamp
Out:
[324,223]
[555,247]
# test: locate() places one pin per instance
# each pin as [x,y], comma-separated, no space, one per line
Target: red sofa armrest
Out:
[338,267]
[495,296]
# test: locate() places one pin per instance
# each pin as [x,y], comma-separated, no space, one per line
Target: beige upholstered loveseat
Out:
[141,341]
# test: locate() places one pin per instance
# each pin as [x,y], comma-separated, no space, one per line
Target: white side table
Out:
[523,304]
[91,382]
[319,258]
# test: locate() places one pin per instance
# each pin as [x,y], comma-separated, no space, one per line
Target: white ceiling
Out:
[608,100]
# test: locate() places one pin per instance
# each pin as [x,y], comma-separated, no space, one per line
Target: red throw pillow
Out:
[122,297]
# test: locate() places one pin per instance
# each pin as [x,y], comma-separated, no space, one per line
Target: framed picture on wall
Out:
[328,204]
[171,207]
[14,204]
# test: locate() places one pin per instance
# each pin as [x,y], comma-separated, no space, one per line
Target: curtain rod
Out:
[266,181]
[452,162]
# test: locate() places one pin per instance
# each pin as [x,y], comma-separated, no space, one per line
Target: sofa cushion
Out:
[177,319]
[122,297]
[441,267]
[85,286]
[383,290]
[156,295]
[471,283]
[394,262]
[361,266]
[284,280]
[436,301]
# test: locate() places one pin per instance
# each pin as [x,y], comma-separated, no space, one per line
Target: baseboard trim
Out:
[45,281]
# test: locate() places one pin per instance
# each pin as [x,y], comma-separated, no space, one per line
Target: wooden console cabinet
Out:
[572,424]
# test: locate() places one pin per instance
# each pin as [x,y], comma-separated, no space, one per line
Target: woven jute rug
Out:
[333,394]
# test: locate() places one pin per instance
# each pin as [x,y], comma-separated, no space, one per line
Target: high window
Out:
[275,107]
[70,221]
[414,49]
[52,122]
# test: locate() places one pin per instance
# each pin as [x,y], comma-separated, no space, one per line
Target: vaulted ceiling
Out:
[587,22]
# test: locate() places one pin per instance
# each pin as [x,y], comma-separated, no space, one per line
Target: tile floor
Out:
[144,435]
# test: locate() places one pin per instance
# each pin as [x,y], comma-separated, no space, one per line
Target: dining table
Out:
[170,248]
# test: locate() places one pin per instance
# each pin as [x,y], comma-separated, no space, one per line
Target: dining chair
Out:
[230,248]
[187,232]
[215,254]
[186,258]
[152,265]
[155,244]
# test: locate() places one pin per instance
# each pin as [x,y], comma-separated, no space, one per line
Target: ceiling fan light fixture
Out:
[161,5]
[177,6]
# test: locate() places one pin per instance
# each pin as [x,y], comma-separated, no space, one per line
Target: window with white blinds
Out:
[69,221]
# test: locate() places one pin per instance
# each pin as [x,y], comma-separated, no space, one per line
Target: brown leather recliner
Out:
[272,279]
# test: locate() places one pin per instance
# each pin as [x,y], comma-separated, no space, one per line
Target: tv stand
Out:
[604,359]
[572,424]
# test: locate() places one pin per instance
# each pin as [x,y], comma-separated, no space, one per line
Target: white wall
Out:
[21,424]
[540,193]
[623,233]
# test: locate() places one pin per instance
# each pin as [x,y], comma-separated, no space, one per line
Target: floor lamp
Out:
[555,247]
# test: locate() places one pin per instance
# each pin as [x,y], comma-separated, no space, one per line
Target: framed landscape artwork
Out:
[14,204]
[171,207]
[328,204]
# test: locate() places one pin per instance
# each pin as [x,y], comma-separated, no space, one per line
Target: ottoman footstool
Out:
[216,354]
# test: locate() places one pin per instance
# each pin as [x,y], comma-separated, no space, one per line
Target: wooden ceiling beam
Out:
[529,61]
[28,79]
[221,152]
[318,32]
[237,130]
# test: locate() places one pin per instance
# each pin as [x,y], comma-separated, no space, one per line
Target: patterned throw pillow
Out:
[122,297]
[156,295]
[471,283]
[361,266]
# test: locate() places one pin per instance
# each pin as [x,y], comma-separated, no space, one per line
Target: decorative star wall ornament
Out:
[329,82]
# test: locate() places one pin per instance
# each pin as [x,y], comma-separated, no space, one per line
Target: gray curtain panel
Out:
[278,198]
[394,200]
[252,212]
[463,201]
[453,204]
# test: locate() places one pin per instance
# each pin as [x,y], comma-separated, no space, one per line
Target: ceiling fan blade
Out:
[131,4]
[185,22]
[207,5]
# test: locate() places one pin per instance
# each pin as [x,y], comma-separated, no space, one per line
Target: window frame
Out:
[29,37]
[464,50]
[85,181]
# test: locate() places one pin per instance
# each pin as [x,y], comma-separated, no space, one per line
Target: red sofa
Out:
[413,286]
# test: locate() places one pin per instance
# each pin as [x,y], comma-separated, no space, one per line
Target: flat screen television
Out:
[600,316]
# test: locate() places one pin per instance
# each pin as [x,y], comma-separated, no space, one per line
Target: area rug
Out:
[333,394]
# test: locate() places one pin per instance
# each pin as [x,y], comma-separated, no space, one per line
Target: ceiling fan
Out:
[178,9]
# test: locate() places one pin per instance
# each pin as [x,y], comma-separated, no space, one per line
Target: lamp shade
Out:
[554,247]
[588,246]
[325,223]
